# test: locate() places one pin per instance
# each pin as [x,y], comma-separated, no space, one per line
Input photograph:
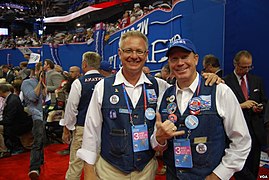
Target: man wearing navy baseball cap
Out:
[207,114]
[183,43]
[105,68]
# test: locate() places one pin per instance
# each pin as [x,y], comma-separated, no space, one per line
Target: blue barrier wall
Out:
[217,27]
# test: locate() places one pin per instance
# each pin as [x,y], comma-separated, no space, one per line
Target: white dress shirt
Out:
[234,124]
[93,122]
[71,108]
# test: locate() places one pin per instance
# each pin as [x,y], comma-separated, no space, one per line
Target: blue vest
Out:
[210,126]
[87,83]
[116,144]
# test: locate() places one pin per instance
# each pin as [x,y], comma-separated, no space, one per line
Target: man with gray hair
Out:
[249,91]
[121,117]
[76,108]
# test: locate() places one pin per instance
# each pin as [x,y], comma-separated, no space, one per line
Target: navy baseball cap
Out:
[182,43]
[106,66]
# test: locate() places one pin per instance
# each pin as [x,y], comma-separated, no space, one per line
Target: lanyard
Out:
[128,105]
[198,87]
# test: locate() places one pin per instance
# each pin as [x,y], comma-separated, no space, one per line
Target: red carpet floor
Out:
[17,166]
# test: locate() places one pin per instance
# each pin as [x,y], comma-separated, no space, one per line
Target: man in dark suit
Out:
[8,73]
[16,122]
[250,93]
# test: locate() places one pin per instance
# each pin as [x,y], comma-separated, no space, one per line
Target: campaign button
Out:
[195,104]
[191,121]
[150,113]
[114,99]
[112,114]
[201,148]
[171,108]
[172,118]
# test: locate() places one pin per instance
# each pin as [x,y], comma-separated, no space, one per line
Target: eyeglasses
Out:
[246,67]
[139,52]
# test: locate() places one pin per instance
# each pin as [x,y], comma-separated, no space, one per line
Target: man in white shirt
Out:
[76,108]
[206,115]
[122,112]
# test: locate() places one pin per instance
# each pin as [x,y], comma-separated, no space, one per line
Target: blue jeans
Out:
[37,151]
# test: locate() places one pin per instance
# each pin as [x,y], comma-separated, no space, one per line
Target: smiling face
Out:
[183,64]
[133,54]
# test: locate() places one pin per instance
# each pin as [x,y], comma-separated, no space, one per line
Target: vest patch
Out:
[93,79]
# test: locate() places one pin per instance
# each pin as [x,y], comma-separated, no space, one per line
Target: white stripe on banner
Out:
[165,22]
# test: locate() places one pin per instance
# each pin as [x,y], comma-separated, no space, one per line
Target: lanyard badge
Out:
[182,153]
[140,137]
[182,148]
[140,132]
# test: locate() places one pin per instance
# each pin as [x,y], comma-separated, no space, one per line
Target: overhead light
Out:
[78,24]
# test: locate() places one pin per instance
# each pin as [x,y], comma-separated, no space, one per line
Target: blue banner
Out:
[99,37]
[202,21]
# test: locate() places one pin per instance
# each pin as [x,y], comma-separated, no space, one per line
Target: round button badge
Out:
[150,113]
[171,108]
[195,104]
[172,118]
[191,122]
[201,148]
[114,99]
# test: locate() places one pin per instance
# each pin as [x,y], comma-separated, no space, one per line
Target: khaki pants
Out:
[106,171]
[3,147]
[75,164]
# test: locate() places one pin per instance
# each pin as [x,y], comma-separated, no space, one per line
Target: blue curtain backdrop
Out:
[246,27]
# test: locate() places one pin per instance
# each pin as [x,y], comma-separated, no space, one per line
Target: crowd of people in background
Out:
[28,95]
[79,35]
